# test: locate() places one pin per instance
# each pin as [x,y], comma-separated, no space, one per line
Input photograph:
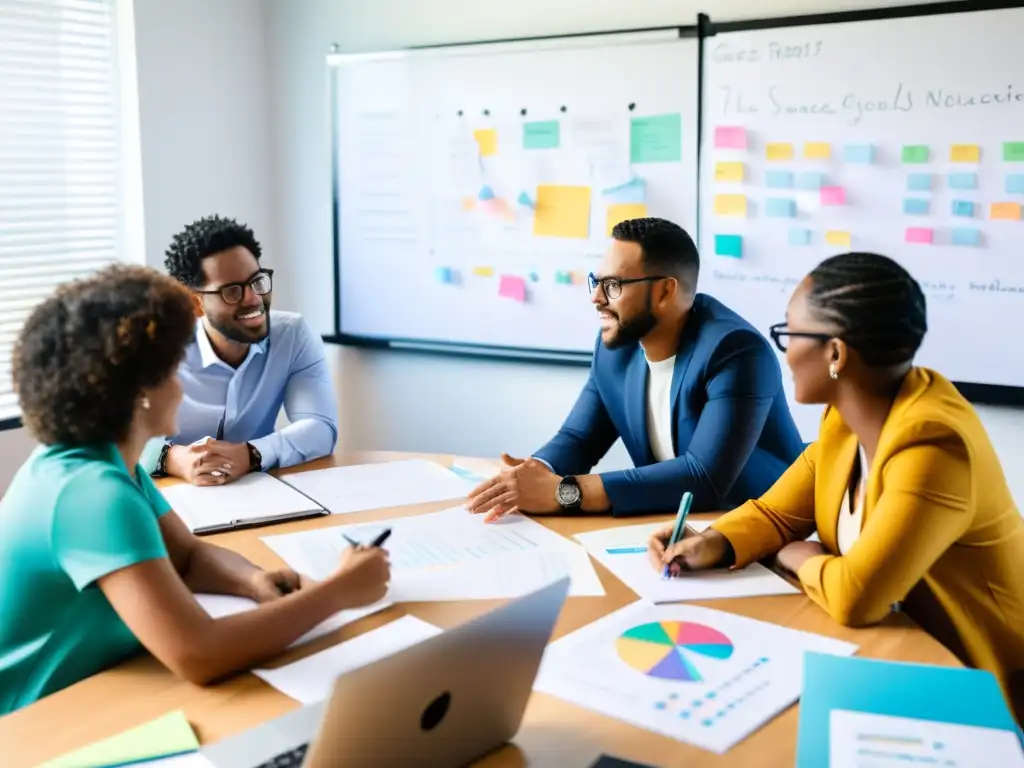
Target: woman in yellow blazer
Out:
[903,486]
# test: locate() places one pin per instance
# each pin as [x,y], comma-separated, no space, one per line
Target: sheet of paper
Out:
[310,680]
[621,212]
[255,495]
[623,551]
[868,740]
[656,139]
[168,734]
[452,555]
[694,674]
[228,605]
[190,760]
[562,212]
[341,490]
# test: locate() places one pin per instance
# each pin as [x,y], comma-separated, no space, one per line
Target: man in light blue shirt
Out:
[245,364]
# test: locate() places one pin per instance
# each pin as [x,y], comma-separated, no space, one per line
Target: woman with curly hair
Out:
[93,562]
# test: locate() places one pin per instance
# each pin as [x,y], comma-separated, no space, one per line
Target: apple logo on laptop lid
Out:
[435,712]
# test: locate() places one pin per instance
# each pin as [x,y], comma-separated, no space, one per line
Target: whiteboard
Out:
[474,184]
[903,136]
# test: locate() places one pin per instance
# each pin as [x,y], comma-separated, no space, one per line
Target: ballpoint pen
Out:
[680,526]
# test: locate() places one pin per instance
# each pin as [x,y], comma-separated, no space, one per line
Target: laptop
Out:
[444,702]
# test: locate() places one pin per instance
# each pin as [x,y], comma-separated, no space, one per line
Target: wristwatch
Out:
[569,495]
[255,458]
[161,462]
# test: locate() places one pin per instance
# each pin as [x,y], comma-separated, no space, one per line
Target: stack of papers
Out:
[451,555]
[623,551]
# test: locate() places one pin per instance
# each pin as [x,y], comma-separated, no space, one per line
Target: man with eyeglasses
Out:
[692,389]
[245,364]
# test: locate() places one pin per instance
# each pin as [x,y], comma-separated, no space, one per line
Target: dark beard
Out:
[239,335]
[633,331]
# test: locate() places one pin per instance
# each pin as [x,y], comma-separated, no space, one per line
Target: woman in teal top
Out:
[92,560]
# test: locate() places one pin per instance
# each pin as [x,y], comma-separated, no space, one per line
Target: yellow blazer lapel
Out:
[838,460]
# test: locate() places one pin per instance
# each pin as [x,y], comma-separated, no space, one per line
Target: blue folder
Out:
[923,691]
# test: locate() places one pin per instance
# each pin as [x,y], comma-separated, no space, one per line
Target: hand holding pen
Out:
[365,571]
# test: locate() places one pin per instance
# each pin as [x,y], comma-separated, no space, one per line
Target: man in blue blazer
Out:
[693,390]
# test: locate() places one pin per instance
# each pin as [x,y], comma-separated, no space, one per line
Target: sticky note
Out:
[778,151]
[919,235]
[632,191]
[1015,184]
[165,736]
[915,153]
[730,205]
[833,196]
[542,134]
[562,212]
[444,275]
[487,141]
[621,212]
[563,278]
[798,236]
[656,139]
[811,180]
[512,287]
[778,179]
[963,208]
[817,150]
[963,181]
[838,237]
[916,206]
[525,199]
[730,137]
[1013,151]
[1006,211]
[729,171]
[919,182]
[485,193]
[729,245]
[483,271]
[965,153]
[780,207]
[966,236]
[534,277]
[468,203]
[858,153]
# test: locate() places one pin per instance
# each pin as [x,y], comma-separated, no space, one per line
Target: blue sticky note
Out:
[729,245]
[919,182]
[1015,184]
[963,208]
[486,193]
[443,275]
[780,207]
[966,236]
[632,191]
[915,206]
[811,180]
[525,199]
[858,153]
[778,180]
[963,181]
[799,236]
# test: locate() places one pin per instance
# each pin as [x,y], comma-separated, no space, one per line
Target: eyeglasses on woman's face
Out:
[780,334]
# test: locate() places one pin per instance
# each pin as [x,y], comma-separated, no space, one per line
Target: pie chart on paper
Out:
[672,650]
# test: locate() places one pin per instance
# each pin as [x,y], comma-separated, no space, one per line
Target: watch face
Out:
[568,494]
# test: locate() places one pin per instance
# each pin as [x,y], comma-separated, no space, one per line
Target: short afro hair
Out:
[666,248]
[203,238]
[87,352]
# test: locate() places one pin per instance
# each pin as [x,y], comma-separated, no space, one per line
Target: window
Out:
[62,180]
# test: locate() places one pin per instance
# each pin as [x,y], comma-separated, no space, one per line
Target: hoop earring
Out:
[145,402]
[832,372]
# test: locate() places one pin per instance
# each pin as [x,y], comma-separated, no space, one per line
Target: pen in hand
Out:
[680,527]
[381,538]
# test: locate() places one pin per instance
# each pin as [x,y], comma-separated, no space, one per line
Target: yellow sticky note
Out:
[779,151]
[483,271]
[730,205]
[728,171]
[964,153]
[468,203]
[562,212]
[817,150]
[487,140]
[1007,211]
[837,237]
[623,211]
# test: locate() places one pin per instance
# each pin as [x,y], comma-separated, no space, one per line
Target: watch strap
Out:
[255,458]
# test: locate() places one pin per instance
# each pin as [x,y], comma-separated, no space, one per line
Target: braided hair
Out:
[877,307]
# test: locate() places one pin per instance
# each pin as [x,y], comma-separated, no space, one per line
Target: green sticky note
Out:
[166,736]
[656,139]
[915,153]
[1013,151]
[541,135]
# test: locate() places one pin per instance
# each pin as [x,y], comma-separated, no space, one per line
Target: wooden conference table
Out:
[554,732]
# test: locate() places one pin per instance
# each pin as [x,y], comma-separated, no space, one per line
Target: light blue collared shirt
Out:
[287,368]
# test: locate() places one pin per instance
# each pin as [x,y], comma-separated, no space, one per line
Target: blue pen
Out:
[680,527]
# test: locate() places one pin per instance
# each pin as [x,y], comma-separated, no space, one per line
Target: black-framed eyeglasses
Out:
[261,283]
[778,333]
[612,286]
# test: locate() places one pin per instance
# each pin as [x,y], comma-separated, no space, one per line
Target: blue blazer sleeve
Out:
[743,378]
[585,437]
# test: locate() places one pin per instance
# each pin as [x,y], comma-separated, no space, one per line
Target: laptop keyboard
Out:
[291,759]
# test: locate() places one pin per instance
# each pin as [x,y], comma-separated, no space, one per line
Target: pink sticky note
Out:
[920,235]
[512,287]
[730,137]
[833,196]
